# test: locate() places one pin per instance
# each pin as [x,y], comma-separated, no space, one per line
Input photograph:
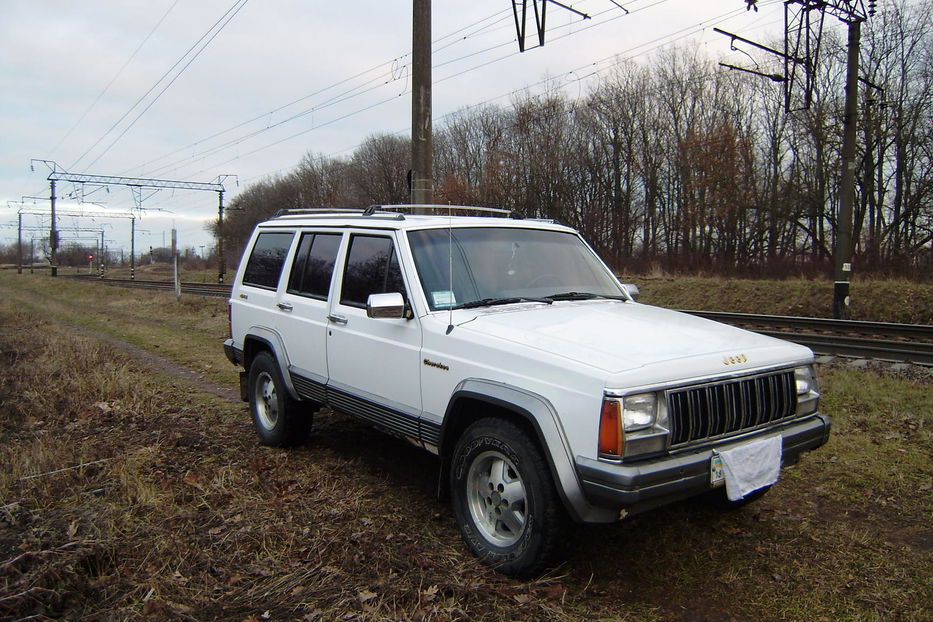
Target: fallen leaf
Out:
[366,596]
[555,591]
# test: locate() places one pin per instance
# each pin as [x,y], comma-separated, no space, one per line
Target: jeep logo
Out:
[735,360]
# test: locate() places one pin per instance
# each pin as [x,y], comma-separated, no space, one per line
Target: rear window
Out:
[266,259]
[314,265]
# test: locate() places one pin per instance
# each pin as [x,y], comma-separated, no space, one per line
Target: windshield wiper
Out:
[585,296]
[490,302]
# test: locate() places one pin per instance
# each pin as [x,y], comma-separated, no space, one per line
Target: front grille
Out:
[718,409]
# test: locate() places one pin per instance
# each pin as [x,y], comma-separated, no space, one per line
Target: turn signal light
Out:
[611,441]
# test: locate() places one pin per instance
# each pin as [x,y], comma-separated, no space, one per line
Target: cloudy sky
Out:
[194,89]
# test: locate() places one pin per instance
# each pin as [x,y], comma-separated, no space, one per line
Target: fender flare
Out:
[276,345]
[543,417]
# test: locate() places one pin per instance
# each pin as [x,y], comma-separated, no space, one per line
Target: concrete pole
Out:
[53,235]
[133,248]
[422,146]
[842,260]
[100,256]
[19,244]
[221,262]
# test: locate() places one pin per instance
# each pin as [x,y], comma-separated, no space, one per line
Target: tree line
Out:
[678,163]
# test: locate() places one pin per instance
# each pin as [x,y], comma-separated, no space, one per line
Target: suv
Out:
[507,347]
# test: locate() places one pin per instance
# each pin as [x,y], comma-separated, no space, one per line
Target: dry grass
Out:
[881,301]
[126,494]
[179,514]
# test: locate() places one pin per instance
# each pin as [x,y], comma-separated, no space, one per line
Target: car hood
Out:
[616,336]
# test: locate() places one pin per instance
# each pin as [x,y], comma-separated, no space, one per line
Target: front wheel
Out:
[279,419]
[507,508]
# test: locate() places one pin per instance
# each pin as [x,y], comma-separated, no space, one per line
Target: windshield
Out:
[459,266]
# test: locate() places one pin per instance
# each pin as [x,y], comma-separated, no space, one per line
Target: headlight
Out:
[633,425]
[639,411]
[805,380]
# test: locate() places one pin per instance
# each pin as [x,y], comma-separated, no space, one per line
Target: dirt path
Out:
[159,363]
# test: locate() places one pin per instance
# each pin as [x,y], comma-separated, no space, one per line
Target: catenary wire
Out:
[156,84]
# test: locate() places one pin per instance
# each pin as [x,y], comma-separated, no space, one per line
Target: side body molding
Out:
[543,417]
[275,343]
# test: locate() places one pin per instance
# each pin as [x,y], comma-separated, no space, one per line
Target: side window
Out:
[314,265]
[372,268]
[266,259]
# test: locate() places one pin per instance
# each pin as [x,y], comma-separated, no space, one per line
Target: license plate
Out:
[717,475]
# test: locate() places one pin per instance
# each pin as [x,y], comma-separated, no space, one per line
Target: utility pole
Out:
[221,260]
[842,260]
[100,256]
[422,147]
[221,263]
[133,248]
[53,236]
[175,279]
[19,243]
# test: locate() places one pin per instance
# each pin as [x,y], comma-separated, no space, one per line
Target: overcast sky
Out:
[80,85]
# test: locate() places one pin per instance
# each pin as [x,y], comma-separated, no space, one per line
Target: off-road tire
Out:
[493,460]
[280,420]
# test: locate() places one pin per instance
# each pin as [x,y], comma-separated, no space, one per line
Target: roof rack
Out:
[395,212]
[330,211]
[442,209]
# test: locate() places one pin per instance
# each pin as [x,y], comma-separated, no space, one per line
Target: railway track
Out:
[910,343]
[902,343]
[199,289]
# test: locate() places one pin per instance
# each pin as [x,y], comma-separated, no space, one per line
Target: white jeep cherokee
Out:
[509,349]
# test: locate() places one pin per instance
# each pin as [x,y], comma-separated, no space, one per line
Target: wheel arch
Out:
[259,339]
[475,399]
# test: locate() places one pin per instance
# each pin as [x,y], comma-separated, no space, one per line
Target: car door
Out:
[373,364]
[303,307]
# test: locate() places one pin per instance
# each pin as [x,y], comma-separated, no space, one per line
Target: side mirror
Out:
[632,290]
[386,306]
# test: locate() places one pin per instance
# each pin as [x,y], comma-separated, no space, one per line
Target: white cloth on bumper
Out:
[751,466]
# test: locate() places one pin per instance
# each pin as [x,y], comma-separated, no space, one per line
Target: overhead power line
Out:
[114,78]
[688,30]
[216,28]
[377,81]
[628,54]
[178,164]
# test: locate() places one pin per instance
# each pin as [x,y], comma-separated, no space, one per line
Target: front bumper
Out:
[644,485]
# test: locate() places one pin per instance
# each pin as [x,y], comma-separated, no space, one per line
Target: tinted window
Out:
[314,264]
[372,268]
[266,261]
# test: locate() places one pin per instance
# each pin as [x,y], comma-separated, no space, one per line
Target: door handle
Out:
[337,319]
[284,306]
